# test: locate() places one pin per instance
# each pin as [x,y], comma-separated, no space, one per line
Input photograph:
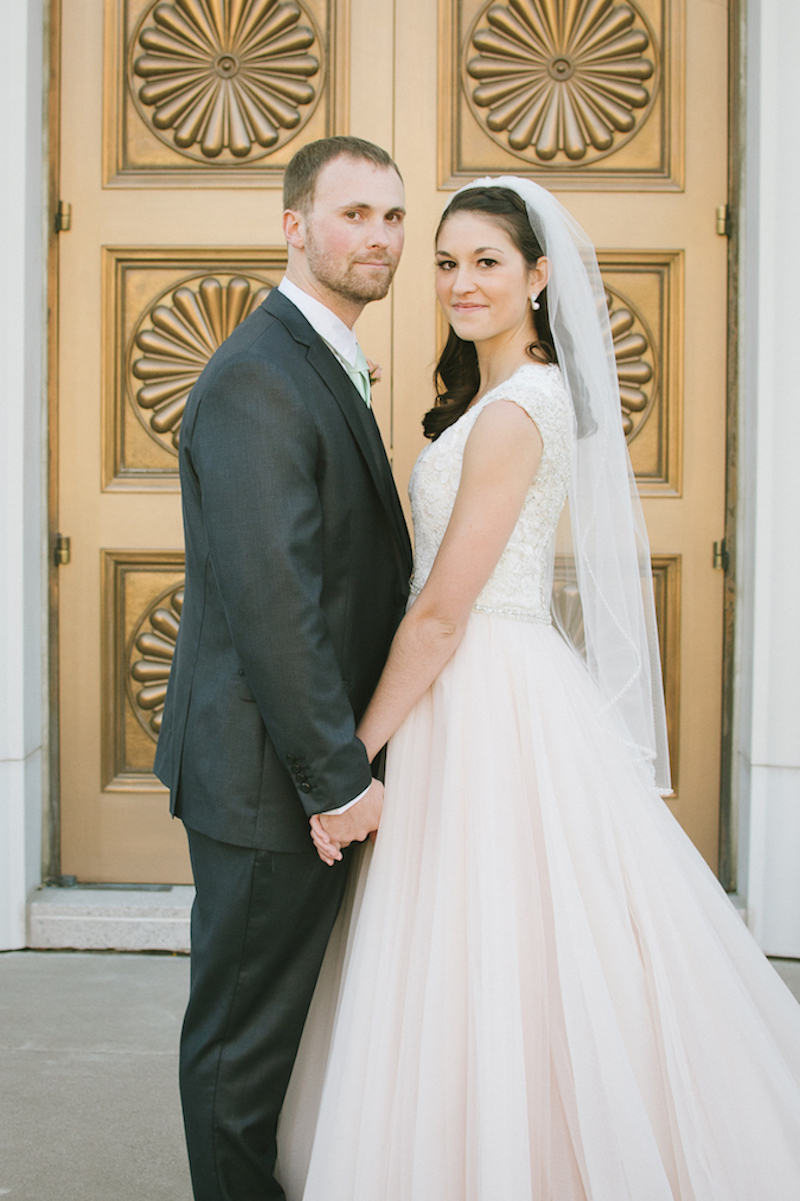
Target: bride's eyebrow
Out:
[479,250]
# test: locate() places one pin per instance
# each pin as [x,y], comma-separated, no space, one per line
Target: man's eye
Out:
[353,214]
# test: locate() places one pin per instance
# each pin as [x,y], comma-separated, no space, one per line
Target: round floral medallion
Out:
[150,655]
[226,80]
[634,351]
[561,84]
[178,334]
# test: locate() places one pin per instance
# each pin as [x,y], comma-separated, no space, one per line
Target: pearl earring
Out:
[535,304]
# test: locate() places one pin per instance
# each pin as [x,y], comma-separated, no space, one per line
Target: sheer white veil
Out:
[609,539]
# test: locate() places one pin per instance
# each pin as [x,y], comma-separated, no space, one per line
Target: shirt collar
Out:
[331,329]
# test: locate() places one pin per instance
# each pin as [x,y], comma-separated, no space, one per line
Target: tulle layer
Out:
[546,995]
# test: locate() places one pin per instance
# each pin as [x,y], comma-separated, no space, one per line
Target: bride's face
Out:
[483,283]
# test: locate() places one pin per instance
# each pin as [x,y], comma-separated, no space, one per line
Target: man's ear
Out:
[294,228]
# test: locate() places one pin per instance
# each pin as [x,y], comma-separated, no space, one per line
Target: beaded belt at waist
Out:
[543,619]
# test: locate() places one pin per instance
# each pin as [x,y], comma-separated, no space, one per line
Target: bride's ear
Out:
[540,274]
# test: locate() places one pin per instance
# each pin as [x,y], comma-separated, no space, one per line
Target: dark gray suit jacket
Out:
[297,566]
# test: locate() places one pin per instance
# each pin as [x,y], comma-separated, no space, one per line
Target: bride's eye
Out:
[445,264]
[488,262]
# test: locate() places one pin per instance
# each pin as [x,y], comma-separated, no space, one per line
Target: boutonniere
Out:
[375,371]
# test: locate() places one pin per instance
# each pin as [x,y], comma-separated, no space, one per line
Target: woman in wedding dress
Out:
[539,991]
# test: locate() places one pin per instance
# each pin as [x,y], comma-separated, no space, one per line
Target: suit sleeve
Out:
[255,452]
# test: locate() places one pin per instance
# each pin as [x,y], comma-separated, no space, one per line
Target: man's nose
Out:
[378,234]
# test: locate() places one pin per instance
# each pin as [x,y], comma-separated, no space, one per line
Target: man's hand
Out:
[331,832]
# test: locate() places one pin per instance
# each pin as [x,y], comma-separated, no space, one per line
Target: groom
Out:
[297,565]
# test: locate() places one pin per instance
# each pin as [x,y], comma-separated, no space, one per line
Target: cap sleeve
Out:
[540,392]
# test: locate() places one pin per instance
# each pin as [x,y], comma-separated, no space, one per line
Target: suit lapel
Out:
[359,418]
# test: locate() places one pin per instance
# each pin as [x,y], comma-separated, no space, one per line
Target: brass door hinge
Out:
[720,560]
[61,553]
[724,220]
[63,216]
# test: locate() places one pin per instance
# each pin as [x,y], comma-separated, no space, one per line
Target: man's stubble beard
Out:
[344,280]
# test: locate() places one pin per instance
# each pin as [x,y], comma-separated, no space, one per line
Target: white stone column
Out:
[22,461]
[769,481]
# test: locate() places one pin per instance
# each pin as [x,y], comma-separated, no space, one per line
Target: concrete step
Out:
[97,918]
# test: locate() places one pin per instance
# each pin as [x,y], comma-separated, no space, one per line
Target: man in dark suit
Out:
[297,566]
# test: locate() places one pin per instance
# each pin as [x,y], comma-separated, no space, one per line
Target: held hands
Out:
[331,832]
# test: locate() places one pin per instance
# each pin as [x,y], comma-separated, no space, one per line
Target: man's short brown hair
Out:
[300,178]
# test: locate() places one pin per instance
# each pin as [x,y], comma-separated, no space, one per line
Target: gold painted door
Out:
[176,120]
[622,110]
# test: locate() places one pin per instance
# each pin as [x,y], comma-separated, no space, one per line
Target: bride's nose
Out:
[463,282]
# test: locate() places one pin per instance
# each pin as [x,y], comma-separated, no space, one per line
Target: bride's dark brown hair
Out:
[457,377]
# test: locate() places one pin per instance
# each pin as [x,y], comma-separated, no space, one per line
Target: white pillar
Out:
[22,462]
[769,480]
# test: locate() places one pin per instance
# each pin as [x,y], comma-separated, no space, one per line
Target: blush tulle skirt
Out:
[537,990]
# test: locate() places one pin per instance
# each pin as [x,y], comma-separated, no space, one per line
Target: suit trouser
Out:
[260,924]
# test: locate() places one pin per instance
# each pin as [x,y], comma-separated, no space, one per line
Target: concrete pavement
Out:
[89,1107]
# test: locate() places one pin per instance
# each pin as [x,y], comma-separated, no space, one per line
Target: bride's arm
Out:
[501,458]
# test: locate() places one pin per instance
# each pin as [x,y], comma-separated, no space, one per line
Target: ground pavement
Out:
[89,1106]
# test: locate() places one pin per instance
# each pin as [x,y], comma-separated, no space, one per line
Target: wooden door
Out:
[176,121]
[620,109]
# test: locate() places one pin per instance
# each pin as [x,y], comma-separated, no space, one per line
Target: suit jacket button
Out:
[241,671]
[290,759]
[305,787]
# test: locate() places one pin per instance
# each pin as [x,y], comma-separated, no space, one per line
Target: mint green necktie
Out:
[359,374]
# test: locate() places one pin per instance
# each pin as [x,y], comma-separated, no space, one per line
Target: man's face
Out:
[353,233]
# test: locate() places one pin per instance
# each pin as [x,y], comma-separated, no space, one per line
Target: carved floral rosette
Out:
[561,83]
[150,655]
[636,360]
[226,81]
[174,339]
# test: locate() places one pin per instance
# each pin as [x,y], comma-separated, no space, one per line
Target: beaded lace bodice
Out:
[519,586]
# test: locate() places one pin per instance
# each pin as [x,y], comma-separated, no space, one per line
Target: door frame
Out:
[728,829]
[728,814]
[51,836]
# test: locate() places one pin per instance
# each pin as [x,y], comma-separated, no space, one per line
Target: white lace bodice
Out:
[519,586]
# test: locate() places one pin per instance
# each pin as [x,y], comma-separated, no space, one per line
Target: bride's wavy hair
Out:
[456,377]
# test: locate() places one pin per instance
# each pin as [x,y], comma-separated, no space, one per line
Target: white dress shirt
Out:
[344,344]
[334,333]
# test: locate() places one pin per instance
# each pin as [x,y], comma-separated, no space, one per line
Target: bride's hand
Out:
[331,832]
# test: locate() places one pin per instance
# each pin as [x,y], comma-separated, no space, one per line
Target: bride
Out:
[540,992]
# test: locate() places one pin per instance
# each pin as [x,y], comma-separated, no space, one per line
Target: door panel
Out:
[631,133]
[175,237]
